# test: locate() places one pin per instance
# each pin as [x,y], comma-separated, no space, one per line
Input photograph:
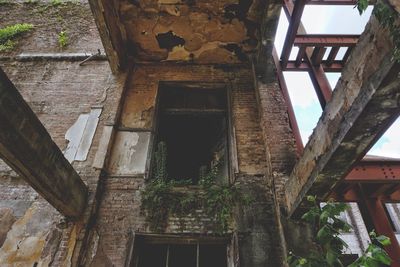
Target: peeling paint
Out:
[157,30]
[71,246]
[129,153]
[27,238]
[80,135]
[139,106]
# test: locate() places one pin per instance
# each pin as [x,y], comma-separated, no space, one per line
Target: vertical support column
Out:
[383,227]
[27,147]
[376,211]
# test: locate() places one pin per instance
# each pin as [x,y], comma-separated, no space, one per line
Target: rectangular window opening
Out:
[193,125]
[164,253]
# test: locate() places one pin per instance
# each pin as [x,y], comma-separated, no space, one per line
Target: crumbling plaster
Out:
[199,31]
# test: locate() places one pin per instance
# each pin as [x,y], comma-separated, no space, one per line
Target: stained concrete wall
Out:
[60,93]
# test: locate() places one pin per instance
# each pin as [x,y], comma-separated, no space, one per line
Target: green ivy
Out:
[162,197]
[330,247]
[386,16]
[10,33]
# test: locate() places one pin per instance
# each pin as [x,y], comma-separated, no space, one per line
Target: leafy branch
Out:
[374,255]
[386,16]
[330,247]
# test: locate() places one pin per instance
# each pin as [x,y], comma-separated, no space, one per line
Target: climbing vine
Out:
[386,16]
[9,34]
[328,226]
[162,197]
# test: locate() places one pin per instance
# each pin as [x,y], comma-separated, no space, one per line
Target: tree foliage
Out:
[328,226]
[386,16]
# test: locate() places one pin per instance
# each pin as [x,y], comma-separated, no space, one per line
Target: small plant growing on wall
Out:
[9,34]
[160,200]
[63,39]
[330,247]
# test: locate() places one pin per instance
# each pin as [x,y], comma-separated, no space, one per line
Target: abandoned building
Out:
[104,104]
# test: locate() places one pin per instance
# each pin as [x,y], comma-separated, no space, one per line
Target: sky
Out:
[333,20]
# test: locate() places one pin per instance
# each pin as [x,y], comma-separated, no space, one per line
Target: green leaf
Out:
[383,240]
[324,234]
[311,215]
[370,262]
[362,6]
[380,255]
[311,199]
[331,257]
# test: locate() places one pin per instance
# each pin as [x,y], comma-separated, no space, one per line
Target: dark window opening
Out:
[179,255]
[193,125]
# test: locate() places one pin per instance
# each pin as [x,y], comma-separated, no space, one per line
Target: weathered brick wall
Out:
[49,19]
[59,92]
[278,134]
[120,207]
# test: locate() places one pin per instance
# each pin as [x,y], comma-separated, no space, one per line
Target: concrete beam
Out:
[27,147]
[112,34]
[364,104]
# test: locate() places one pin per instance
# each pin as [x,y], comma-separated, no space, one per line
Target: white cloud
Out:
[391,145]
[334,19]
[301,90]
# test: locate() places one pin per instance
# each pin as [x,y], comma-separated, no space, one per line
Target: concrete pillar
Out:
[26,146]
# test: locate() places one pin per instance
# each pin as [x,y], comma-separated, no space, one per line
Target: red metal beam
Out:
[332,55]
[317,55]
[324,40]
[336,66]
[347,54]
[300,55]
[376,211]
[320,82]
[344,192]
[375,173]
[295,20]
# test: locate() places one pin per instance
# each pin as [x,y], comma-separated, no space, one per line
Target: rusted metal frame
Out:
[318,55]
[347,54]
[320,82]
[332,2]
[376,172]
[380,190]
[317,74]
[336,66]
[294,23]
[300,56]
[332,55]
[393,190]
[376,211]
[344,188]
[292,116]
[345,192]
[342,40]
